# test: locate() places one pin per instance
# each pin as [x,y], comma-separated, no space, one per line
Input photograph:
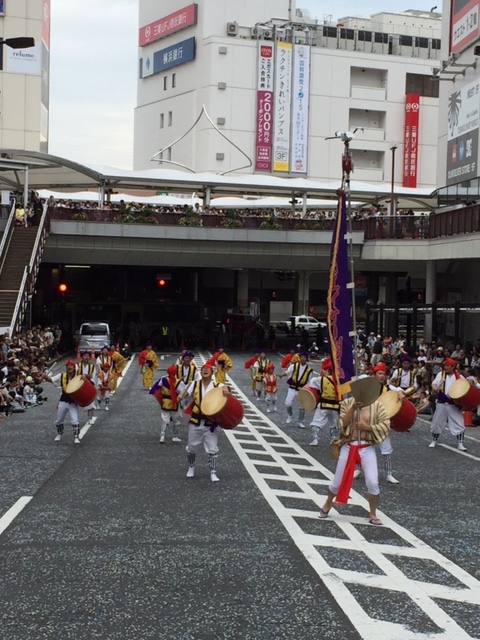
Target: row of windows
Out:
[382,38]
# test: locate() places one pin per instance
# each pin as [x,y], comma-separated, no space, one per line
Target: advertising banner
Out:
[282,106]
[300,107]
[27,61]
[463,123]
[464,24]
[411,136]
[264,119]
[167,25]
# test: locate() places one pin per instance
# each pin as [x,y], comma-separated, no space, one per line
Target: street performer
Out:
[66,403]
[148,362]
[298,375]
[447,413]
[360,428]
[86,367]
[270,388]
[259,369]
[326,413]
[201,429]
[105,383]
[169,387]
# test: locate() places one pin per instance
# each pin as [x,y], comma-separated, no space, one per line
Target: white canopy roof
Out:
[53,172]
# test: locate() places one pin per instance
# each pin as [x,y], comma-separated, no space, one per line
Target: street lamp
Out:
[393,148]
[18,43]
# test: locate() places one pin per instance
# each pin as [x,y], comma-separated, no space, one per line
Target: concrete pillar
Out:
[391,292]
[242,289]
[430,290]
[302,293]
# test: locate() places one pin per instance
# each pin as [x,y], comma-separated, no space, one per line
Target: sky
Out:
[93,71]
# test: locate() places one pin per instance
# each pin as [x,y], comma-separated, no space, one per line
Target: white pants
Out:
[291,395]
[368,462]
[198,434]
[447,415]
[66,407]
[386,448]
[324,418]
[270,398]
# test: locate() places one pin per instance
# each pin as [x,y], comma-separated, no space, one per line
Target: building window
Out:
[162,120]
[165,86]
[170,118]
[425,86]
[169,152]
[174,80]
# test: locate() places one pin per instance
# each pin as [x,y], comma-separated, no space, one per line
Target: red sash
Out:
[347,479]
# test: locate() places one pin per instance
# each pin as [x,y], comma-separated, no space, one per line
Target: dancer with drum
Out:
[360,429]
[270,388]
[202,429]
[166,391]
[66,404]
[404,378]
[105,385]
[186,370]
[298,374]
[260,368]
[326,413]
[87,368]
[447,413]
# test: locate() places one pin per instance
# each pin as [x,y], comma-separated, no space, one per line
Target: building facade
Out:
[274,84]
[24,75]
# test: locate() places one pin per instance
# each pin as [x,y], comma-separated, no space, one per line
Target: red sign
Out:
[410,159]
[264,128]
[464,24]
[263,147]
[164,27]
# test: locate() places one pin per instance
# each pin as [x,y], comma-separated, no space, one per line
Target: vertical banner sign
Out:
[410,154]
[462,138]
[264,119]
[300,104]
[339,301]
[283,99]
[464,24]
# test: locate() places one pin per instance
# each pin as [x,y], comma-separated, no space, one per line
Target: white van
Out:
[93,335]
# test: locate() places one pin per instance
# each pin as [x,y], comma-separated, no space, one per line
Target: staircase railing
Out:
[7,236]
[27,286]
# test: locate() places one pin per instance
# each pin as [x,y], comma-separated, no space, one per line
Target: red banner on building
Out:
[264,128]
[410,159]
[176,21]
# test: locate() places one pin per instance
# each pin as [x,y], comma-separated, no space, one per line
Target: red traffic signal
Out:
[161,282]
[62,287]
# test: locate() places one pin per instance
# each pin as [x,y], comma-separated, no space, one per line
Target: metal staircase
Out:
[21,251]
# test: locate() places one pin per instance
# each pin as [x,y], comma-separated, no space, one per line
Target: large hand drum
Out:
[464,394]
[81,391]
[226,411]
[308,398]
[402,413]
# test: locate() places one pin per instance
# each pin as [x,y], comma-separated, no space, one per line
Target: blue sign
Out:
[1,6]
[172,56]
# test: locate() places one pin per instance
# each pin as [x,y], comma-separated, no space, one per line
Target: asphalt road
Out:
[108,539]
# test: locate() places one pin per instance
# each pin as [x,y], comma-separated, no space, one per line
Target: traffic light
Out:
[62,288]
[163,279]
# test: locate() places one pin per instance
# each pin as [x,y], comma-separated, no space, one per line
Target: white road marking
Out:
[337,580]
[7,519]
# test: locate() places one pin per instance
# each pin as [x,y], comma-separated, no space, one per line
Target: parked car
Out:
[299,322]
[93,335]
